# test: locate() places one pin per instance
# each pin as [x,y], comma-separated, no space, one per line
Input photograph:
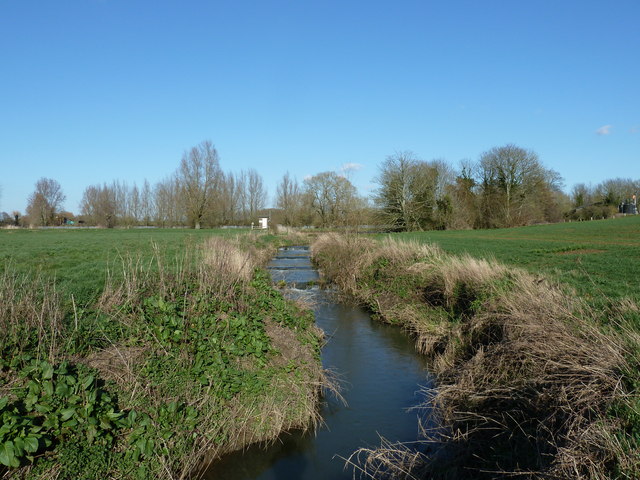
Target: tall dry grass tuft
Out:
[527,380]
[217,268]
[452,281]
[533,381]
[293,236]
[338,263]
[31,316]
[225,266]
[127,279]
[408,253]
[343,259]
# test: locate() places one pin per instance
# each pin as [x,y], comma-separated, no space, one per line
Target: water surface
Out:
[381,376]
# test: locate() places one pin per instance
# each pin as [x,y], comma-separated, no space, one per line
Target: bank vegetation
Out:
[530,385]
[177,362]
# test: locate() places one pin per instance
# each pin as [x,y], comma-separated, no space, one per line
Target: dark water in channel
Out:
[381,378]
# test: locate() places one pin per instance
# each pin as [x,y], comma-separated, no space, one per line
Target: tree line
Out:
[507,186]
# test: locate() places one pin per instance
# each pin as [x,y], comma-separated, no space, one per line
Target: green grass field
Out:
[78,259]
[600,259]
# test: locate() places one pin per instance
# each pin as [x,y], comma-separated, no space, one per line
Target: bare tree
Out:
[146,212]
[394,197]
[443,177]
[289,198]
[251,194]
[464,198]
[256,192]
[331,196]
[616,191]
[5,219]
[166,205]
[120,192]
[414,194]
[581,195]
[198,177]
[514,187]
[228,199]
[45,201]
[99,205]
[133,203]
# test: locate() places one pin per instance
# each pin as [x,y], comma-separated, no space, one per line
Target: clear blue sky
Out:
[97,90]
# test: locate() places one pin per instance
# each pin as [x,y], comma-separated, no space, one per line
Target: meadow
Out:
[78,259]
[600,259]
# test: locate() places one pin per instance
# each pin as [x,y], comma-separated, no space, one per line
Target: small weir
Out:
[381,377]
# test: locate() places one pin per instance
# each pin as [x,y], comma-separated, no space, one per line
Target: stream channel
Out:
[382,380]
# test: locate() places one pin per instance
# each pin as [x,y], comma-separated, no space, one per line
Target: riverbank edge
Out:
[529,387]
[300,352]
[153,425]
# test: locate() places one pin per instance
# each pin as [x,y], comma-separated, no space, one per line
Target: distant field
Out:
[78,258]
[600,259]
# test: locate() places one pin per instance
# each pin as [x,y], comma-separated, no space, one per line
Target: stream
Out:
[382,380]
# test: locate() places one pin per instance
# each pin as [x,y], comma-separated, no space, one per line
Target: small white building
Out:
[263,223]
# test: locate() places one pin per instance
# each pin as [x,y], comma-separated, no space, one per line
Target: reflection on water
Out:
[381,377]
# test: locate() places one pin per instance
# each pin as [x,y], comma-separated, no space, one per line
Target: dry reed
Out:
[526,378]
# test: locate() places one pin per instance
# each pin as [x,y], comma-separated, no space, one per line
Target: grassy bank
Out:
[600,259]
[529,385]
[173,352]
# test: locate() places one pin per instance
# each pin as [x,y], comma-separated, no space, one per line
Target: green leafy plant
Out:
[57,402]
